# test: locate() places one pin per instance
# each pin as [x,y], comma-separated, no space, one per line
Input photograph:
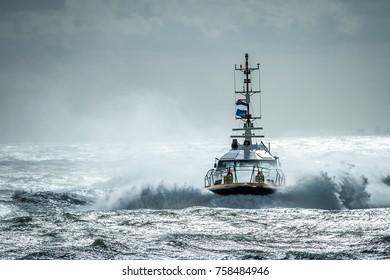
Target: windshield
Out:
[243,164]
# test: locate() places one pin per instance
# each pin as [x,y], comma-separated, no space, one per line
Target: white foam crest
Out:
[324,192]
[321,191]
[149,196]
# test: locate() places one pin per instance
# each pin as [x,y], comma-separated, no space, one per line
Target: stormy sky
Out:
[75,70]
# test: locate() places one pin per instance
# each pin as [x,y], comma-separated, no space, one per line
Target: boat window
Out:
[250,164]
[225,164]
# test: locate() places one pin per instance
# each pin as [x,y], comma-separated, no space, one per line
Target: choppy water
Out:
[103,201]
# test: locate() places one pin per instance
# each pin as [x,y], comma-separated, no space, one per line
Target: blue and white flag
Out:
[241,113]
[241,102]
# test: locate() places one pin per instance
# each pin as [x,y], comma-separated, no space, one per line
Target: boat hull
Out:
[244,188]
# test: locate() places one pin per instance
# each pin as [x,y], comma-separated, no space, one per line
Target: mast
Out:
[246,115]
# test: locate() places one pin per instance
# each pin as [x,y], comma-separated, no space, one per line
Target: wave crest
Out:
[320,191]
[326,192]
[155,197]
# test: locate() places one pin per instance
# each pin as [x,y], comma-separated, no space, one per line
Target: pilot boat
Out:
[248,167]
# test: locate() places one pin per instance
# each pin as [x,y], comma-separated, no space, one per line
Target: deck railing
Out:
[248,174]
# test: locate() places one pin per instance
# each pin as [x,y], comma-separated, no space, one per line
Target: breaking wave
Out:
[321,191]
[326,192]
[155,197]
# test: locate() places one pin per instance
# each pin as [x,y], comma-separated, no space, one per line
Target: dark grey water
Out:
[122,202]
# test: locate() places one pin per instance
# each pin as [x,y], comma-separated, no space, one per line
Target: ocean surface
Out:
[126,201]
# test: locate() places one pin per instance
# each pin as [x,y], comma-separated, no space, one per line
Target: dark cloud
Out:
[88,69]
[31,6]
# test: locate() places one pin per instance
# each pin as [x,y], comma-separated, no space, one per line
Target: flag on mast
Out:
[241,113]
[241,102]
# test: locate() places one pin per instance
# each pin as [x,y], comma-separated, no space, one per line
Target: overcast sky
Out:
[76,70]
